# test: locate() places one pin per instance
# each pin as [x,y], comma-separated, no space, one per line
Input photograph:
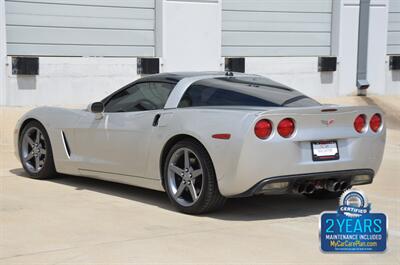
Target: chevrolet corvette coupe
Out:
[204,137]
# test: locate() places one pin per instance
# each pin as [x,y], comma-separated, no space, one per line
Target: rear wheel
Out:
[189,179]
[35,151]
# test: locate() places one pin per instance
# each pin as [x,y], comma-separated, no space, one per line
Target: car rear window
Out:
[243,91]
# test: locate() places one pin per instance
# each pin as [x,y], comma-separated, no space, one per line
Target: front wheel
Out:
[189,179]
[35,151]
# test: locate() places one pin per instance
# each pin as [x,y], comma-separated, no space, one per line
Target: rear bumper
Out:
[293,179]
[258,160]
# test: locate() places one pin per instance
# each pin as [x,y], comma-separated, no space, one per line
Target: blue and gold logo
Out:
[353,228]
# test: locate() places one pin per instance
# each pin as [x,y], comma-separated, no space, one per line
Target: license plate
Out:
[325,150]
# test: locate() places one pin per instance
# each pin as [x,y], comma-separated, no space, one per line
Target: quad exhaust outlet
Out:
[304,188]
[335,186]
[330,185]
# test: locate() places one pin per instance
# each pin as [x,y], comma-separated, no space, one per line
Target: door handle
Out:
[156,119]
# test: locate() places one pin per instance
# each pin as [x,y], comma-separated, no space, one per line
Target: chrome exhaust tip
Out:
[310,188]
[343,185]
[304,188]
[333,186]
[300,188]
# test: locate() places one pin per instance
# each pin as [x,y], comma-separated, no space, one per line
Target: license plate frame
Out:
[320,147]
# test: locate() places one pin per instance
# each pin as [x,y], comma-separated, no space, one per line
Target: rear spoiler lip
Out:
[315,110]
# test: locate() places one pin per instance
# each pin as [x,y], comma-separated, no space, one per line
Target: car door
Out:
[118,143]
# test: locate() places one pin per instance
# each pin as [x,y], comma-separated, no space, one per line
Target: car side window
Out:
[140,97]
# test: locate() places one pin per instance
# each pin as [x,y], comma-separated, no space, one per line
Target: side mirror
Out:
[96,107]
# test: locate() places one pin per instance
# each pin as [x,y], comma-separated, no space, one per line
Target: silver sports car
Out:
[205,137]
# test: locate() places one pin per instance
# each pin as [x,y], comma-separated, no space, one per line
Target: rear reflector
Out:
[276,186]
[286,127]
[263,129]
[223,136]
[361,179]
[359,123]
[375,122]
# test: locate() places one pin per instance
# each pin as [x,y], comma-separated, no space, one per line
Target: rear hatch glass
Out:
[243,91]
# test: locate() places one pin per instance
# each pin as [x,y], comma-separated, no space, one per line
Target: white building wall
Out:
[298,72]
[392,85]
[188,39]
[70,81]
[345,44]
[302,72]
[189,35]
[3,53]
[377,46]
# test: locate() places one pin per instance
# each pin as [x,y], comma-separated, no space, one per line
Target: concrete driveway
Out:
[73,220]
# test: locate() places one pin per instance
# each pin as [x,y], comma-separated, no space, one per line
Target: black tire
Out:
[210,199]
[48,170]
[324,195]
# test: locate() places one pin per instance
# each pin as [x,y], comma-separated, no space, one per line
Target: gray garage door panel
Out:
[78,50]
[78,22]
[19,34]
[279,5]
[112,3]
[393,46]
[394,6]
[276,39]
[276,27]
[79,11]
[277,51]
[276,21]
[126,27]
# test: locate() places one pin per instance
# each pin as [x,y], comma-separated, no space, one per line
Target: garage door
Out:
[276,27]
[80,27]
[394,27]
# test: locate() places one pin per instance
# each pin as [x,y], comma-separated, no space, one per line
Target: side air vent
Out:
[66,145]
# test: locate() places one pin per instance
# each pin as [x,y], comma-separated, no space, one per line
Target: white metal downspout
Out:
[362,56]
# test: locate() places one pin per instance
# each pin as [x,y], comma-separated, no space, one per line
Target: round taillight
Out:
[359,123]
[375,122]
[263,129]
[286,127]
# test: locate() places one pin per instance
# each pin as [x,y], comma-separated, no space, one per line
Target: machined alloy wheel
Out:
[189,178]
[35,151]
[185,179]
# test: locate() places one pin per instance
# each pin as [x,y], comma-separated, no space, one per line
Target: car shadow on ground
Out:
[238,209]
